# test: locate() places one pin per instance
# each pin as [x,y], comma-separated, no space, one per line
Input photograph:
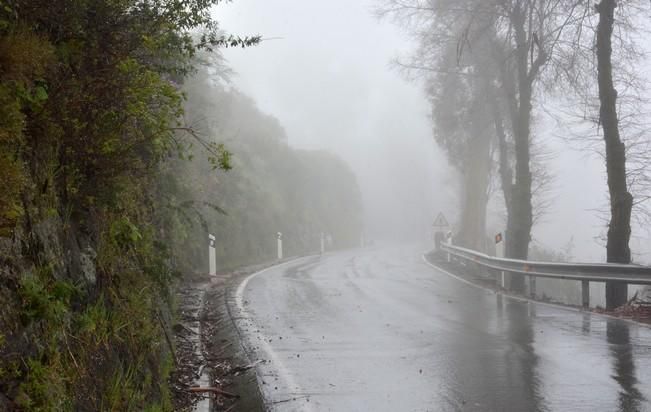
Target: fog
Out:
[325,74]
[325,71]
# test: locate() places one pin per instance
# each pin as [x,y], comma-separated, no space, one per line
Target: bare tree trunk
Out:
[476,178]
[621,201]
[505,172]
[520,220]
[518,231]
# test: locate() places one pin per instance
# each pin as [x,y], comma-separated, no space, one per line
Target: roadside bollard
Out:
[279,237]
[212,256]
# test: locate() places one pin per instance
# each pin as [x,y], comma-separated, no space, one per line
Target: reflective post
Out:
[212,256]
[322,243]
[279,237]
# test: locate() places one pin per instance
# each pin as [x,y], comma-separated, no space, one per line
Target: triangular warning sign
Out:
[440,221]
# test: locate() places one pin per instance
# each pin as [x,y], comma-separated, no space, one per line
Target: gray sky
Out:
[325,74]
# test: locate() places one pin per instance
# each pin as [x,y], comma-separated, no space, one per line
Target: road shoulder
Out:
[209,353]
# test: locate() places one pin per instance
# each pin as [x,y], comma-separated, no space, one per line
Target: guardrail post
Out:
[532,286]
[499,252]
[585,294]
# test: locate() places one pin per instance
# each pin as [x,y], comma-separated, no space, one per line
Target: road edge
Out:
[235,301]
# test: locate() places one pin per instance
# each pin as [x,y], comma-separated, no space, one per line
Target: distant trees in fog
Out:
[487,63]
[272,187]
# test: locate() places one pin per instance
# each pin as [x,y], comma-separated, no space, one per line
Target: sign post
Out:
[279,237]
[449,241]
[439,225]
[212,256]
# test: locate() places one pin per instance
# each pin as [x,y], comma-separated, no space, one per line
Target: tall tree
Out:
[462,128]
[455,79]
[531,31]
[621,201]
[526,36]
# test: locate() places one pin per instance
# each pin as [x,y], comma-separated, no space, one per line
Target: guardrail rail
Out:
[583,272]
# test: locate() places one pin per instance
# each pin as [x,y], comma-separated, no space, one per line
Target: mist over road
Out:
[379,330]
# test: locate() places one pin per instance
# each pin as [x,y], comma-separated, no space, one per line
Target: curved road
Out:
[379,330]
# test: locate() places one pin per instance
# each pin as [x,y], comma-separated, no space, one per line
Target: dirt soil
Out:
[207,347]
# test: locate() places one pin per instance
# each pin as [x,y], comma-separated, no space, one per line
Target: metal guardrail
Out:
[594,272]
[584,272]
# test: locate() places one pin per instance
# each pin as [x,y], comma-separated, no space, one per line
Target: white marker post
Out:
[212,256]
[279,237]
[499,252]
[322,243]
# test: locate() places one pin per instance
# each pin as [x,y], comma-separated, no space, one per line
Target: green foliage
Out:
[90,110]
[221,158]
[77,366]
[124,233]
[43,388]
[48,302]
[23,61]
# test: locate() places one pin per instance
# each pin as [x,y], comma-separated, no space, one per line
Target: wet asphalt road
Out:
[379,330]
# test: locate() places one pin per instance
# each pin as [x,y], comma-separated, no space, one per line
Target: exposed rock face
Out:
[59,320]
[87,260]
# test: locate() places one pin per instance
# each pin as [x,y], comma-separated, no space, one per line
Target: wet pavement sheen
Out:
[379,330]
